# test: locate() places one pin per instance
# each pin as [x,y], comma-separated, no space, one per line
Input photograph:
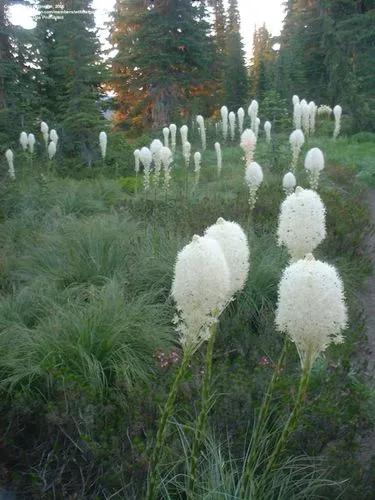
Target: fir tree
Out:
[263,59]
[72,74]
[163,58]
[236,78]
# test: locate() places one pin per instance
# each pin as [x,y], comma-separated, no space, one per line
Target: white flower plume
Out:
[267,130]
[296,140]
[137,160]
[51,150]
[186,153]
[311,307]
[232,124]
[253,179]
[200,288]
[337,112]
[248,144]
[297,115]
[10,158]
[184,130]
[103,143]
[31,142]
[45,129]
[224,121]
[166,158]
[145,156]
[54,137]
[253,113]
[219,157]
[166,132]
[233,242]
[301,222]
[202,131]
[314,164]
[23,140]
[289,183]
[173,130]
[241,118]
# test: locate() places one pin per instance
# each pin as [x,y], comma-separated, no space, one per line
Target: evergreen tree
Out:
[219,30]
[262,62]
[164,57]
[236,79]
[72,73]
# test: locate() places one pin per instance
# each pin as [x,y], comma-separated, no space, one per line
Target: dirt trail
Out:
[367,444]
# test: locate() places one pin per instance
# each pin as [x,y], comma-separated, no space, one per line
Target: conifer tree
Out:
[163,57]
[72,74]
[236,78]
[262,62]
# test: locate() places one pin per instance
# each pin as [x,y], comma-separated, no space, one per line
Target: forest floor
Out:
[367,445]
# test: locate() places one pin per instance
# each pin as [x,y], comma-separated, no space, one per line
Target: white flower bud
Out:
[312,116]
[200,288]
[202,131]
[253,113]
[186,152]
[53,136]
[295,100]
[233,242]
[301,223]
[44,128]
[296,140]
[311,307]
[145,157]
[23,140]
[103,143]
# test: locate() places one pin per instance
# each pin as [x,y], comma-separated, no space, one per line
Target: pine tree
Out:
[236,78]
[72,74]
[219,30]
[163,58]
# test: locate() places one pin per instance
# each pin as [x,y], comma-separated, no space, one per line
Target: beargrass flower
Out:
[305,111]
[314,164]
[54,137]
[201,289]
[31,142]
[241,118]
[253,113]
[137,160]
[302,224]
[202,131]
[295,100]
[166,133]
[145,156]
[184,130]
[51,150]
[312,116]
[337,112]
[23,140]
[257,125]
[219,157]
[296,140]
[166,159]
[253,179]
[186,153]
[232,124]
[248,144]
[267,130]
[197,165]
[10,159]
[155,149]
[103,143]
[311,307]
[289,183]
[44,129]
[173,130]
[234,244]
[224,121]
[297,115]
[324,109]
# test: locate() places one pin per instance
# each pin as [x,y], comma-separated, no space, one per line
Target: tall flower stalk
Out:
[337,112]
[296,140]
[253,179]
[202,131]
[241,118]
[232,124]
[224,121]
[219,158]
[173,130]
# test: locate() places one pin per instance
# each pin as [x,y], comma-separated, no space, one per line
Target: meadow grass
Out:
[86,318]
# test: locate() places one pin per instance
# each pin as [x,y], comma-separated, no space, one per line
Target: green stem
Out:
[202,417]
[293,417]
[261,421]
[163,425]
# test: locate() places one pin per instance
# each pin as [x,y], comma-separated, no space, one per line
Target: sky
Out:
[253,13]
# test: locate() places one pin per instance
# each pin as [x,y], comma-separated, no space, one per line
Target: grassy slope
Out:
[85,277]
